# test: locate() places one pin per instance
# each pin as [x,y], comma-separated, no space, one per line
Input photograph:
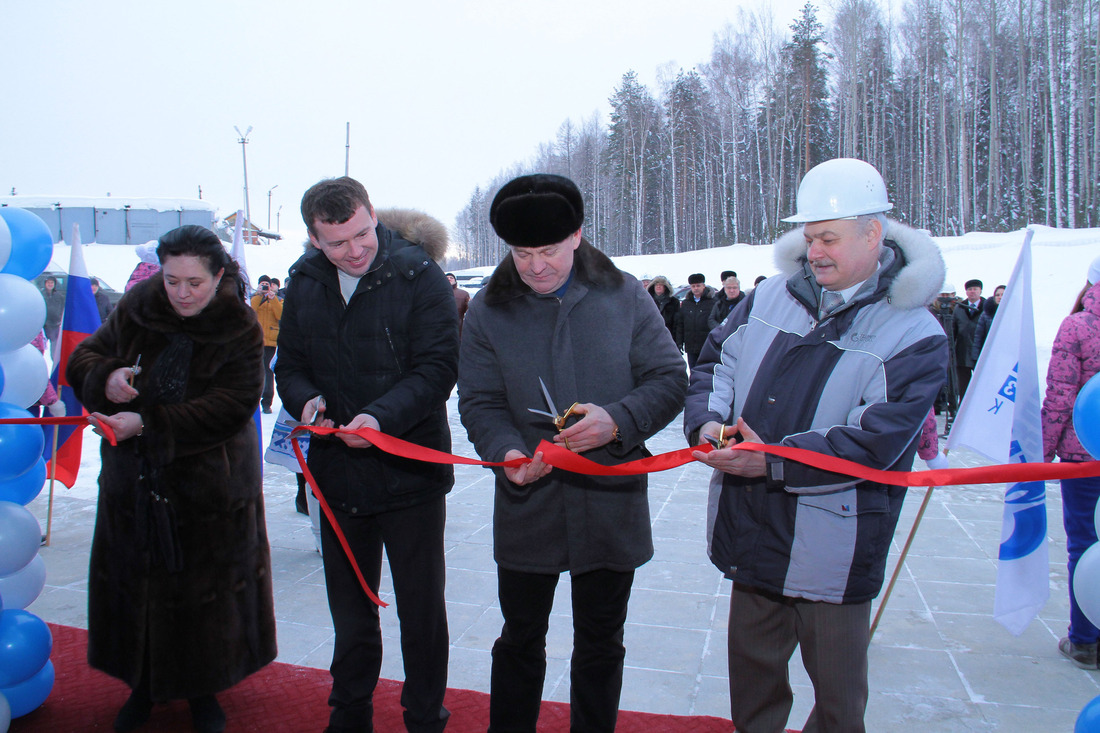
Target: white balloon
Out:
[22,311]
[1096,519]
[22,588]
[5,714]
[20,537]
[5,243]
[1086,583]
[25,376]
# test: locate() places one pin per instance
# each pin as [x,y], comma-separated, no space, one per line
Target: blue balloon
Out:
[1088,721]
[1086,416]
[24,488]
[31,243]
[20,445]
[28,695]
[25,645]
[5,714]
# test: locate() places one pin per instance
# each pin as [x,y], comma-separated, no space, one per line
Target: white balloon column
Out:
[26,673]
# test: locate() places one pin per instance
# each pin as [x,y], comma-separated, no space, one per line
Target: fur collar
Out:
[590,266]
[418,228]
[664,281]
[226,319]
[917,278]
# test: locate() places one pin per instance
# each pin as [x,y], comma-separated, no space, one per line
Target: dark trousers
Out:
[519,656]
[269,378]
[962,375]
[1079,497]
[763,632]
[413,541]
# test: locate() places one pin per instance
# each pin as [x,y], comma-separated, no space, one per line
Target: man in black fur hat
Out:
[557,310]
[694,316]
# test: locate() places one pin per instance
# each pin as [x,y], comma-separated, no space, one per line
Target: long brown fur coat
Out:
[205,627]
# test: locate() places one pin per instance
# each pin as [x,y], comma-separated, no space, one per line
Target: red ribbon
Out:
[78,420]
[561,457]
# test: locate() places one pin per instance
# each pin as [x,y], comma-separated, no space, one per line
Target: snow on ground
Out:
[1061,259]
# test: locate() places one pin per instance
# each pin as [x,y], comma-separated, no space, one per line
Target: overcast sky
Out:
[140,98]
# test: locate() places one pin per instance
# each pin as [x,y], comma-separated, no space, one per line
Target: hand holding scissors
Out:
[594,429]
[736,462]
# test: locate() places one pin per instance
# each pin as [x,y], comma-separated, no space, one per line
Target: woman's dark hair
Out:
[1079,304]
[197,241]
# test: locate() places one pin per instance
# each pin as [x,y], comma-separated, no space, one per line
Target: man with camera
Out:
[269,311]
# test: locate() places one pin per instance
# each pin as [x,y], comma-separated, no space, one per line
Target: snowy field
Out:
[1061,259]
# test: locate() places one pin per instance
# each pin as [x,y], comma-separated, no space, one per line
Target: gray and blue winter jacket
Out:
[856,384]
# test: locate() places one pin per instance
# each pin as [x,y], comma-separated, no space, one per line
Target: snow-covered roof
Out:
[105,202]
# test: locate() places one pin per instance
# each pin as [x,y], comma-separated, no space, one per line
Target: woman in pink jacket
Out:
[1075,358]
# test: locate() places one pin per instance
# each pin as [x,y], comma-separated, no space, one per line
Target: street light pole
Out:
[244,159]
[269,205]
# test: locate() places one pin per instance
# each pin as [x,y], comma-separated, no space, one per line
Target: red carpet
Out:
[281,698]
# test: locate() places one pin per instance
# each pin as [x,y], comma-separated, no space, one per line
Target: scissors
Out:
[558,420]
[723,440]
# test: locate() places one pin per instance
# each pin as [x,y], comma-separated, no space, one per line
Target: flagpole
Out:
[53,477]
[901,560]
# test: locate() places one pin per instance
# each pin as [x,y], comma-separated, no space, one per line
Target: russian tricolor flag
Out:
[80,320]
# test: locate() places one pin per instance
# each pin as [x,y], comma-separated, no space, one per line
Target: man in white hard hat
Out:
[838,356]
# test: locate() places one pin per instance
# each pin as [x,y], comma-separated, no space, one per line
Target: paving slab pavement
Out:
[938,661]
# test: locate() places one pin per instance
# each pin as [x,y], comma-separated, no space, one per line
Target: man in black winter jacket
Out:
[369,338]
[694,313]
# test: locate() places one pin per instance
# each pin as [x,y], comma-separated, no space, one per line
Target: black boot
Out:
[300,504]
[207,715]
[135,711]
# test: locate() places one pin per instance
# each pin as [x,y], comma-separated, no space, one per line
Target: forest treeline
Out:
[981,115]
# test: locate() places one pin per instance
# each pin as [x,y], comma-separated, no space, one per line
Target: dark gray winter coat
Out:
[605,343]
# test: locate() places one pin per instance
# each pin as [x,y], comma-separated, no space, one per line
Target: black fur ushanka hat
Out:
[537,210]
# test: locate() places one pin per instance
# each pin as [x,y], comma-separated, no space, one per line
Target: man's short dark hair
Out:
[93,281]
[333,201]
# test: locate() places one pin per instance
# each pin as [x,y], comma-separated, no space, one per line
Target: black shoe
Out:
[207,715]
[300,504]
[135,712]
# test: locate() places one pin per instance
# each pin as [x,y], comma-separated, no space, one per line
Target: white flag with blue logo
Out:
[1000,418]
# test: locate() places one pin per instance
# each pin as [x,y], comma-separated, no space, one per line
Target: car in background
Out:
[473,279]
[62,279]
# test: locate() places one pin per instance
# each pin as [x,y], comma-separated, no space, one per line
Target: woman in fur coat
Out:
[179,590]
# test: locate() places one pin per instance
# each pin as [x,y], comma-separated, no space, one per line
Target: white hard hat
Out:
[838,189]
